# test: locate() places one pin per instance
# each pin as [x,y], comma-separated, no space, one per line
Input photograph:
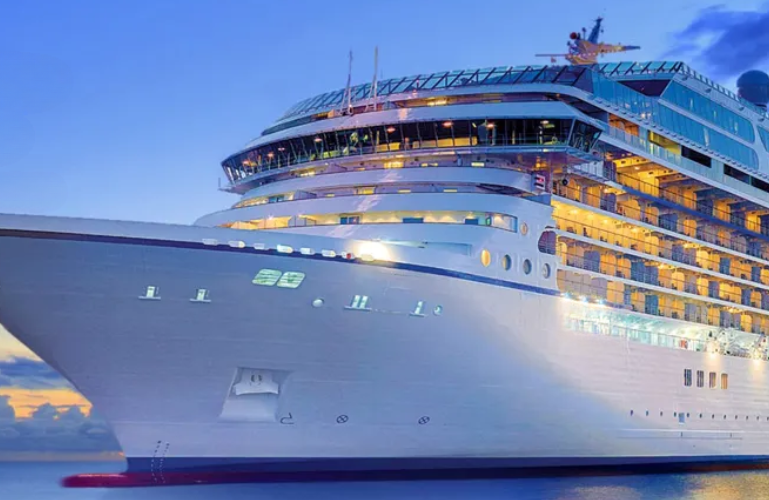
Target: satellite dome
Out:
[753,86]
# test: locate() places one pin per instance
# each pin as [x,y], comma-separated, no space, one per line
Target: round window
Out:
[438,310]
[507,262]
[546,271]
[524,228]
[485,258]
[527,266]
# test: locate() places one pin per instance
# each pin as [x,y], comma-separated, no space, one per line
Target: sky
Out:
[124,109]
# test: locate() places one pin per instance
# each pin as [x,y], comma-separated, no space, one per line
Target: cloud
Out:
[29,374]
[725,42]
[7,413]
[54,429]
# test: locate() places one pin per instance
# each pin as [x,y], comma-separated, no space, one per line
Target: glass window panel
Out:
[291,279]
[483,74]
[668,66]
[452,76]
[569,75]
[416,82]
[529,76]
[445,131]
[654,66]
[361,92]
[466,78]
[434,81]
[335,99]
[511,77]
[495,76]
[427,132]
[267,277]
[383,87]
[410,135]
[548,75]
[401,86]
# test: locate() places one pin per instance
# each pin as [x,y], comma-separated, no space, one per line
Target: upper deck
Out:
[507,75]
[669,99]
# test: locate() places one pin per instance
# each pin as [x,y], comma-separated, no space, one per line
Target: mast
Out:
[347,100]
[374,82]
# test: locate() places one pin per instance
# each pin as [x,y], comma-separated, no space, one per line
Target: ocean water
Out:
[40,481]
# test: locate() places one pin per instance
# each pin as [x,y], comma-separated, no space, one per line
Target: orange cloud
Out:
[24,401]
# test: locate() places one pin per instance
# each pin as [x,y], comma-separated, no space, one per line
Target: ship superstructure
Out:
[510,266]
[655,175]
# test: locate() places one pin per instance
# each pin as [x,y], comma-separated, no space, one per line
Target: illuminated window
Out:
[201,295]
[450,190]
[359,302]
[404,191]
[485,258]
[700,378]
[291,279]
[152,293]
[349,219]
[507,262]
[365,190]
[527,266]
[724,381]
[267,277]
[687,377]
[712,380]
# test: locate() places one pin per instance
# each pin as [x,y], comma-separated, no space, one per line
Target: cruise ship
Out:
[508,267]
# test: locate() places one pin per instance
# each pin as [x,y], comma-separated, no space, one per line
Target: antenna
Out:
[374,81]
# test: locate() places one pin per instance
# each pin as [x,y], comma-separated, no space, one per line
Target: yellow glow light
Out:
[372,250]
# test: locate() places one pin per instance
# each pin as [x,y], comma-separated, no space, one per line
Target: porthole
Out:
[438,310]
[507,262]
[546,271]
[317,303]
[524,228]
[527,266]
[485,258]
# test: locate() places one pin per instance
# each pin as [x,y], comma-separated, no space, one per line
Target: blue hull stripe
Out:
[214,464]
[189,471]
[11,233]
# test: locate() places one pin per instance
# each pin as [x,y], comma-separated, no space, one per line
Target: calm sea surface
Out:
[39,481]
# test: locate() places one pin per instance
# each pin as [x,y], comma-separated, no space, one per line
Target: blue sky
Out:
[124,109]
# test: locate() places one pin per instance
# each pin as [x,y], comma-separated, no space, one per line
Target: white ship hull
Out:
[496,379]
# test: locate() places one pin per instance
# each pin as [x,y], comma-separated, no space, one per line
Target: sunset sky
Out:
[124,109]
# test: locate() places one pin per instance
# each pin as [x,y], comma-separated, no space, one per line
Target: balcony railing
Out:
[723,238]
[602,234]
